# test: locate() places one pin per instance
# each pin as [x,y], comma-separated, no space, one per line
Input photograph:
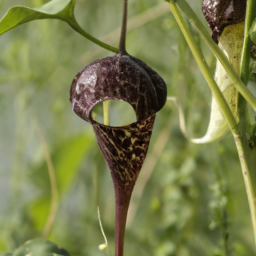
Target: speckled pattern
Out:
[121,77]
[127,78]
[124,149]
[221,13]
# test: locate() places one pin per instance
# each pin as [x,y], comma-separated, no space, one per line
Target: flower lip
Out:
[124,150]
[121,77]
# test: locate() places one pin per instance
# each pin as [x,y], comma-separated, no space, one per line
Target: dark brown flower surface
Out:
[121,77]
[222,13]
[124,150]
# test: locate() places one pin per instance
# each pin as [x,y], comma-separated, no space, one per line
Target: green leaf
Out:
[66,158]
[56,9]
[40,247]
[38,211]
[69,158]
[252,31]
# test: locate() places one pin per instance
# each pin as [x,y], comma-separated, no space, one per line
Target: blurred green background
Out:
[189,200]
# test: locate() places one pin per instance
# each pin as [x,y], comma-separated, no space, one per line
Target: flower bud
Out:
[222,13]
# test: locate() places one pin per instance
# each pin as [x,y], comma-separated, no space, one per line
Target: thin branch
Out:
[106,112]
[122,48]
[101,228]
[133,23]
[54,190]
[73,23]
[248,170]
[246,52]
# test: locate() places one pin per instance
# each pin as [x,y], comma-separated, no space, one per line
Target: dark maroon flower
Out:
[121,77]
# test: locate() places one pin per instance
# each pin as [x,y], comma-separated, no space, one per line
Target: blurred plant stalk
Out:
[239,122]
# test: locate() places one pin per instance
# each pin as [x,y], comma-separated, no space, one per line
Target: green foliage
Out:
[66,158]
[40,247]
[17,15]
[55,9]
[181,206]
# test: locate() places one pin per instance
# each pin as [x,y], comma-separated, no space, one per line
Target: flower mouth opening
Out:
[116,78]
[118,112]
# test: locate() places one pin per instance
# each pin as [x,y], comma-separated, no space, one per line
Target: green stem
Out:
[106,112]
[248,170]
[54,190]
[246,53]
[192,17]
[244,157]
[204,67]
[239,135]
[73,23]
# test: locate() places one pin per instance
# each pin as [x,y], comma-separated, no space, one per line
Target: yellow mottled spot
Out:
[133,140]
[127,133]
